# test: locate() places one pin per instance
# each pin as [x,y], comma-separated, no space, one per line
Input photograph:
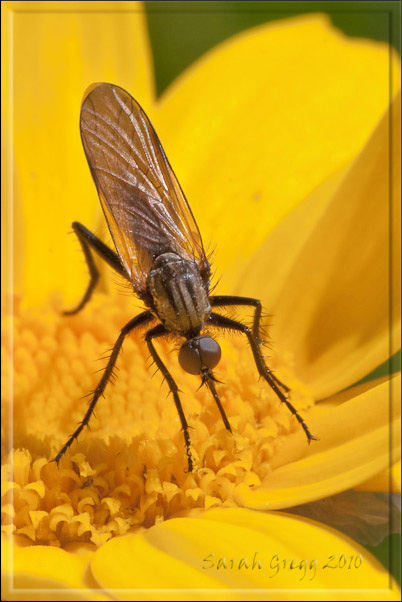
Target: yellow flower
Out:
[284,153]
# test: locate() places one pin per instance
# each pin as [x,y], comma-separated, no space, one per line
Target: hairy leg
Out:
[232,300]
[227,323]
[160,331]
[139,320]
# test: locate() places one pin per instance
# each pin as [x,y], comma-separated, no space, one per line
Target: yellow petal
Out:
[40,568]
[387,480]
[264,119]
[356,443]
[297,226]
[332,313]
[134,564]
[57,54]
[252,554]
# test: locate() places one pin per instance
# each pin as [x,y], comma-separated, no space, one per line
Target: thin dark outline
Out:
[328,11]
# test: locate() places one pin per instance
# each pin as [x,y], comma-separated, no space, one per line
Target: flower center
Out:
[130,470]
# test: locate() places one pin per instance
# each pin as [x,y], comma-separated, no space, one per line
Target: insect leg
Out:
[223,322]
[160,331]
[142,318]
[227,300]
[231,300]
[90,241]
[208,379]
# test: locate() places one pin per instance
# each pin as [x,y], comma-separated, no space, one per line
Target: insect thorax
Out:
[179,294]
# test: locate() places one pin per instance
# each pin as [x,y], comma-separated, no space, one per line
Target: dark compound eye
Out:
[198,353]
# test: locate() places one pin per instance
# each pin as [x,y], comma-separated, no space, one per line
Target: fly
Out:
[159,250]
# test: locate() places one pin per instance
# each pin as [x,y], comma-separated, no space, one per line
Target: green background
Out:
[181,32]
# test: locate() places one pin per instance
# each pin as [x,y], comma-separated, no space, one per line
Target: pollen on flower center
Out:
[130,469]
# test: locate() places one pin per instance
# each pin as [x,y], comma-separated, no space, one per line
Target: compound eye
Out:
[210,352]
[198,353]
[189,357]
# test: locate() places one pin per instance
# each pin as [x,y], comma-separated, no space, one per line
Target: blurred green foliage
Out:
[388,553]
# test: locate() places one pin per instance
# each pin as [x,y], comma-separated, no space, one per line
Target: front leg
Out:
[208,378]
[264,371]
[232,300]
[160,331]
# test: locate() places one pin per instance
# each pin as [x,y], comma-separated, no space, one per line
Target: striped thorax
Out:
[179,294]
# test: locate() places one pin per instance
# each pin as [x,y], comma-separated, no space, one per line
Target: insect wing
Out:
[146,210]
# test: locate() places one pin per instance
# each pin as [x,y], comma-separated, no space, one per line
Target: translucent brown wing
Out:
[146,210]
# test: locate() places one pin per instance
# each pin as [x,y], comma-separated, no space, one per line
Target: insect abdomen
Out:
[178,294]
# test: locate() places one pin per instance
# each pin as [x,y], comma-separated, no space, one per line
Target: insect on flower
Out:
[159,250]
